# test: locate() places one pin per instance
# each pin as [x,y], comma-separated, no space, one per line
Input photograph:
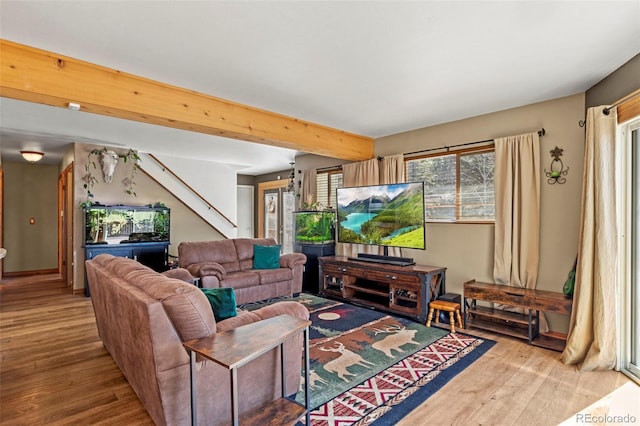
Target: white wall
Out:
[201,185]
[216,182]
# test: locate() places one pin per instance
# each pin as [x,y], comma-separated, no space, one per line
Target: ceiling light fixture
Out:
[32,156]
[73,106]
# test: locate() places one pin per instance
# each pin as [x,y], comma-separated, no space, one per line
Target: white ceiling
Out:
[372,68]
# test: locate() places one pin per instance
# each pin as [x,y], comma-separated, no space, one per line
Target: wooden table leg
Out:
[306,377]
[234,396]
[283,371]
[192,370]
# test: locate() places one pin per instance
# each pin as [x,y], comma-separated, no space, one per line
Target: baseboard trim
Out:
[18,274]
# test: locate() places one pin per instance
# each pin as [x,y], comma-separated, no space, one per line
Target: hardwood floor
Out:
[55,371]
[515,384]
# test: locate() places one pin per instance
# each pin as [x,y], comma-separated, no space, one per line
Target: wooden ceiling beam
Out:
[39,76]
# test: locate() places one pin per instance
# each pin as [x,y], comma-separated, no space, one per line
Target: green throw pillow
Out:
[266,257]
[223,302]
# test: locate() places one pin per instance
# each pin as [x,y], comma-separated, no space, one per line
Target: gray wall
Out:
[616,85]
[30,191]
[246,180]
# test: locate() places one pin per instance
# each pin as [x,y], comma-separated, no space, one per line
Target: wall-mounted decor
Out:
[557,171]
[108,161]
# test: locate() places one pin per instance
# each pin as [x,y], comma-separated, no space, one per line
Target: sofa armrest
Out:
[207,268]
[179,273]
[291,260]
[243,318]
[294,309]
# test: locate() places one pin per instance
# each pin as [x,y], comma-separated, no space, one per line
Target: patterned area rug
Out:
[368,367]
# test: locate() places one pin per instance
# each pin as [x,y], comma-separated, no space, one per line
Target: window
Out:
[326,184]
[458,185]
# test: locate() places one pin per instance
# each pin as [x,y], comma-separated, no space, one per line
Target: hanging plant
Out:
[91,166]
[129,181]
[311,205]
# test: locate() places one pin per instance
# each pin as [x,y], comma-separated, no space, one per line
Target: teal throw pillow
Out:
[266,257]
[222,301]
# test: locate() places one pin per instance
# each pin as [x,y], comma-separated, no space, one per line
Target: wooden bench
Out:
[524,325]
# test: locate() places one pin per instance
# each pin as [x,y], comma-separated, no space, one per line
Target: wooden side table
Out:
[234,348]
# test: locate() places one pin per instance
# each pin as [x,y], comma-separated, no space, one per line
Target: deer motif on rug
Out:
[314,381]
[398,336]
[346,359]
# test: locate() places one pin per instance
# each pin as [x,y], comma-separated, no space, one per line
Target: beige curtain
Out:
[592,330]
[359,174]
[308,193]
[517,201]
[392,169]
[371,172]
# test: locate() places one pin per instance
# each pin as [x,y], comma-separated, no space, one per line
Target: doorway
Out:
[245,211]
[65,225]
[276,206]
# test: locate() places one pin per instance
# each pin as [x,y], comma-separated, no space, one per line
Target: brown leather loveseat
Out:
[229,263]
[143,317]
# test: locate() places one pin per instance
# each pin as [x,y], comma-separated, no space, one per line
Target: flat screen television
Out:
[385,215]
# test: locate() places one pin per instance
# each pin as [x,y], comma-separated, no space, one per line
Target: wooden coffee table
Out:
[234,348]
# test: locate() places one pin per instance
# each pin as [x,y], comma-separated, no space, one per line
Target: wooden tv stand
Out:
[405,290]
[523,326]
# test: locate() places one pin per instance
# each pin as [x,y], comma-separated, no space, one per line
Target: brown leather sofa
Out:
[143,317]
[229,263]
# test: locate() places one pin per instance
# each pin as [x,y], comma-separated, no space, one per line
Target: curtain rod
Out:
[541,133]
[324,169]
[621,101]
[336,167]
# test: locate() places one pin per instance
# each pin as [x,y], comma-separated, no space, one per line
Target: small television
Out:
[386,215]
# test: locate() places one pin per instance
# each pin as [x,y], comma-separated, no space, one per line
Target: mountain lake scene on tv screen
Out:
[391,215]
